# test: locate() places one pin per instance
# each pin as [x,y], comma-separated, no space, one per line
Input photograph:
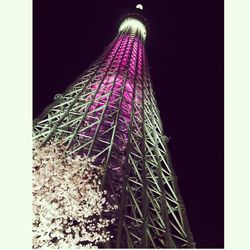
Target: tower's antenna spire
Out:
[139,6]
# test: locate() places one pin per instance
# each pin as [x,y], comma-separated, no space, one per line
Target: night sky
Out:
[185,51]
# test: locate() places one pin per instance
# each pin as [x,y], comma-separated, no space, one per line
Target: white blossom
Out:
[68,204]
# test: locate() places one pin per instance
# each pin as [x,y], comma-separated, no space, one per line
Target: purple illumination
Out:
[116,90]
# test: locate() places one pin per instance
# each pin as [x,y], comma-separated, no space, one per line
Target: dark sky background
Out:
[185,50]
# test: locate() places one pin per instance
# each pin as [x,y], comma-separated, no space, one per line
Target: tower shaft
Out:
[110,112]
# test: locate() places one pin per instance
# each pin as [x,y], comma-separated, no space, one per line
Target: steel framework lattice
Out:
[111,112]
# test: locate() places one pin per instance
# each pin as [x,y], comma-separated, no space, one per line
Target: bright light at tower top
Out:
[135,25]
[139,6]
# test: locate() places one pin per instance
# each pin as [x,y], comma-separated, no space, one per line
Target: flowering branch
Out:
[68,204]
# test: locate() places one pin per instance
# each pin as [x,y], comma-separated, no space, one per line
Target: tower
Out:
[110,112]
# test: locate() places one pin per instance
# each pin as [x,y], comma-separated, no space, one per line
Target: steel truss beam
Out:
[111,112]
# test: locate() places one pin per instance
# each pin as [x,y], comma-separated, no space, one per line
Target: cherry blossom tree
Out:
[69,208]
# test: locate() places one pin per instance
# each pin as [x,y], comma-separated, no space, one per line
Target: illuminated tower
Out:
[111,112]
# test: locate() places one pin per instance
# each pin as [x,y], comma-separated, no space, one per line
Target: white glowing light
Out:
[139,6]
[135,25]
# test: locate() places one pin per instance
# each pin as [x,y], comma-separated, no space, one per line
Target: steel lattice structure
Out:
[111,112]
